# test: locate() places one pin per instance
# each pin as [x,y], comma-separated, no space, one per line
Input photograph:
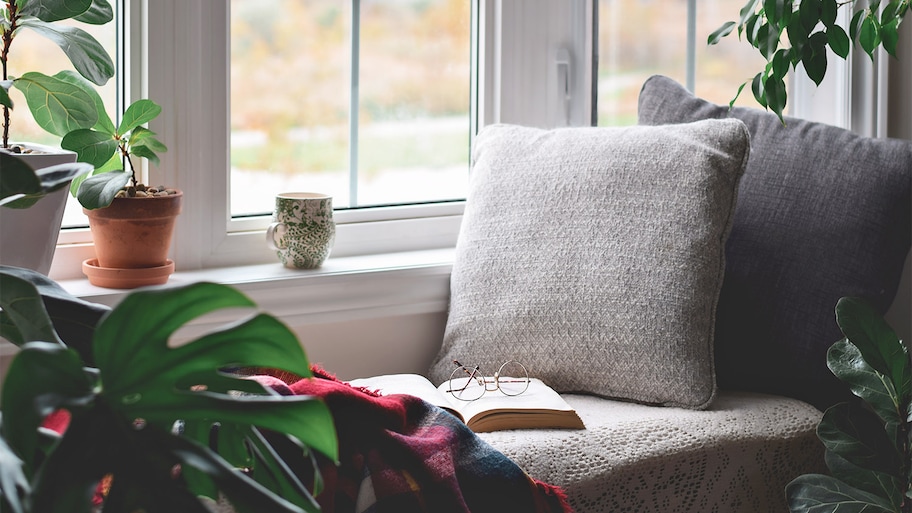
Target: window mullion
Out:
[354,103]
[188,56]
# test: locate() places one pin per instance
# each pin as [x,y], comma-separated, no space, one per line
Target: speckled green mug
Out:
[303,231]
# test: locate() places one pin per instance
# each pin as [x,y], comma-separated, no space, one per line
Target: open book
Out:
[538,407]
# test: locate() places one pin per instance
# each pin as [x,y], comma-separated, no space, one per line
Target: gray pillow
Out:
[822,213]
[594,256]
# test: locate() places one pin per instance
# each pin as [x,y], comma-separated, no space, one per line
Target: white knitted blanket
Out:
[737,456]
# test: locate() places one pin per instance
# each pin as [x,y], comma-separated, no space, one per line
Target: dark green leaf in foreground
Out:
[42,378]
[857,435]
[14,485]
[877,483]
[816,493]
[878,343]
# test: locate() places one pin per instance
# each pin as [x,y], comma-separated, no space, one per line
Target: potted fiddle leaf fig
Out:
[132,223]
[101,413]
[56,104]
[868,448]
[792,32]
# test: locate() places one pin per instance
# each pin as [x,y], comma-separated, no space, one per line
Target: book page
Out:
[411,384]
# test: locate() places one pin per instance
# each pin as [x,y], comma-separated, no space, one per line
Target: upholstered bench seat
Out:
[735,456]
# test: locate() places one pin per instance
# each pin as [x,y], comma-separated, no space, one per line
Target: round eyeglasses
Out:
[470,383]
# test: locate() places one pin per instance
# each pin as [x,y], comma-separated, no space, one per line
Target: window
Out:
[637,39]
[532,61]
[367,101]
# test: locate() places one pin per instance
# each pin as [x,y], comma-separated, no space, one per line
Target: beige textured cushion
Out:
[594,256]
[735,457]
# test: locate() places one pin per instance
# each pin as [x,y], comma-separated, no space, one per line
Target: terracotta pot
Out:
[134,233]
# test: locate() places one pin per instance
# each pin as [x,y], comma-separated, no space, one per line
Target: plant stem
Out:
[126,155]
[13,13]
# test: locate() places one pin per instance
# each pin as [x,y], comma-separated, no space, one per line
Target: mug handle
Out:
[271,240]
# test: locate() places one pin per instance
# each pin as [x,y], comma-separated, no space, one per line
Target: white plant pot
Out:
[28,237]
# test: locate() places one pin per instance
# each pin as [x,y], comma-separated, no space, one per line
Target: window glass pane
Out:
[32,52]
[414,105]
[291,84]
[640,38]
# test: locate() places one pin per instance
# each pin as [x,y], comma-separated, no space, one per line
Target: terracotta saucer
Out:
[126,278]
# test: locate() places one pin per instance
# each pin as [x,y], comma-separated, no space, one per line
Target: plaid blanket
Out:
[401,454]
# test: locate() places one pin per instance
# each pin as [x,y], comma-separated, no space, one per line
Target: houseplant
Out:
[162,426]
[131,224]
[56,105]
[868,449]
[792,32]
[21,188]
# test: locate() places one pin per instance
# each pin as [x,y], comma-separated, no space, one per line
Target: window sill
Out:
[343,288]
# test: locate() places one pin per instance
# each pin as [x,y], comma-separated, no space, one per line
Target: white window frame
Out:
[183,64]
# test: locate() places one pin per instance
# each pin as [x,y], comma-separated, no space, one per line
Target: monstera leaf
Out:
[154,415]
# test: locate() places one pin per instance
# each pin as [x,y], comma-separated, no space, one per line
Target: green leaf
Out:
[751,29]
[731,104]
[5,99]
[774,88]
[877,483]
[757,89]
[816,493]
[146,153]
[828,12]
[99,13]
[139,113]
[115,163]
[776,12]
[797,36]
[145,378]
[54,10]
[42,378]
[104,123]
[855,24]
[74,319]
[749,9]
[878,343]
[889,35]
[141,136]
[85,52]
[22,305]
[780,64]
[848,364]
[814,57]
[869,35]
[14,485]
[17,178]
[838,40]
[90,146]
[809,12]
[57,106]
[720,32]
[767,40]
[890,12]
[858,435]
[99,190]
